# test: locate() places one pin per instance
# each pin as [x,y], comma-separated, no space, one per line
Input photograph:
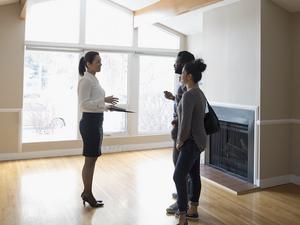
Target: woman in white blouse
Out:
[91,99]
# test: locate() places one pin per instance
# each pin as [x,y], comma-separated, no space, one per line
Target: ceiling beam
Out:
[23,4]
[167,8]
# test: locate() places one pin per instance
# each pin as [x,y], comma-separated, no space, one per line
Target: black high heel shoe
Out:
[89,198]
[186,223]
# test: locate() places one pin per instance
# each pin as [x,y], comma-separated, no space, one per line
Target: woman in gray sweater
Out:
[191,140]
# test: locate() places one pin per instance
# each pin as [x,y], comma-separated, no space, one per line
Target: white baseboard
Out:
[274,181]
[72,152]
[39,154]
[295,179]
[277,122]
[133,147]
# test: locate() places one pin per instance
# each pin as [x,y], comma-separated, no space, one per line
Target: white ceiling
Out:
[290,5]
[187,23]
[135,4]
[5,2]
[130,4]
[191,22]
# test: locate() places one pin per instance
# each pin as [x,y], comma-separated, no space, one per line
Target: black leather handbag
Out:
[211,121]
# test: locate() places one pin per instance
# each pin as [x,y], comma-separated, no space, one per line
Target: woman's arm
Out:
[185,123]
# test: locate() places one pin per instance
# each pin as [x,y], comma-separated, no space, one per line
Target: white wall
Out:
[296,65]
[12,31]
[276,90]
[296,94]
[230,45]
[276,62]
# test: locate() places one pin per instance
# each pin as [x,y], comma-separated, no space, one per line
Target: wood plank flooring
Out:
[136,188]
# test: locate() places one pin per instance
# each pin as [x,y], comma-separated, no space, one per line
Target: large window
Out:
[50,96]
[156,76]
[53,21]
[113,77]
[107,24]
[58,33]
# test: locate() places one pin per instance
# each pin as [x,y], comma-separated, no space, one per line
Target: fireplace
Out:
[232,148]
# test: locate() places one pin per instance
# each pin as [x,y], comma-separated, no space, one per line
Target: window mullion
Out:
[81,42]
[133,94]
[133,89]
[82,28]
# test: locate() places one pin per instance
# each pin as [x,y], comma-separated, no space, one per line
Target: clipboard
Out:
[114,108]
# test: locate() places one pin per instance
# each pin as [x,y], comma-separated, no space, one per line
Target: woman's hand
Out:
[169,95]
[178,146]
[174,123]
[111,99]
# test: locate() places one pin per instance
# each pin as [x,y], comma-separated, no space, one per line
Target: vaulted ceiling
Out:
[177,18]
[135,4]
[290,5]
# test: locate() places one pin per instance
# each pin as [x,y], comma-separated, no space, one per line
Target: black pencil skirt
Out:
[91,131]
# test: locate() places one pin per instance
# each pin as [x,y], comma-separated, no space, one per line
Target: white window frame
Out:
[133,62]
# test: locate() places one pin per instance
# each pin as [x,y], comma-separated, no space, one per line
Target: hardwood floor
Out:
[136,188]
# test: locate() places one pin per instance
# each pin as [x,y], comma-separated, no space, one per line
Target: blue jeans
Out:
[175,158]
[188,163]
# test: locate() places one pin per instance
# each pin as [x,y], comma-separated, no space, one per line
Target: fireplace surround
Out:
[232,148]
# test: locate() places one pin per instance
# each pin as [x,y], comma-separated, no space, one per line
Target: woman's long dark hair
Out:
[88,58]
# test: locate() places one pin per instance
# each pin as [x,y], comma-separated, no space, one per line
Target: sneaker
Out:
[186,223]
[193,217]
[174,196]
[172,209]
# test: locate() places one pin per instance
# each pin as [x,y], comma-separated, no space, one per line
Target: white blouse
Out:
[90,94]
